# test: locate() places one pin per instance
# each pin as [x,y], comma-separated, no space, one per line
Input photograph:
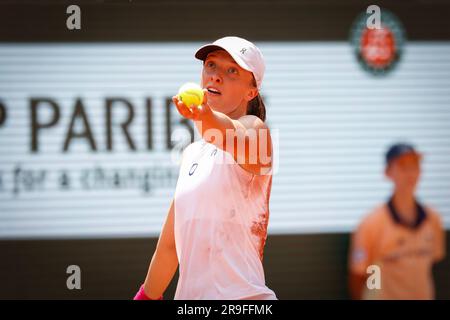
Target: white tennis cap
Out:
[245,53]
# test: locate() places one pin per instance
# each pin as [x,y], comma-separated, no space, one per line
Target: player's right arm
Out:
[164,262]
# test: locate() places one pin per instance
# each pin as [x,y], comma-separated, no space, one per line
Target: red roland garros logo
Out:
[378,45]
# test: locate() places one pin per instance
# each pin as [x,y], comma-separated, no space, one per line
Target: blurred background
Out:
[89,138]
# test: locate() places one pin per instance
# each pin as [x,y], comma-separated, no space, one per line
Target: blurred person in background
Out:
[403,237]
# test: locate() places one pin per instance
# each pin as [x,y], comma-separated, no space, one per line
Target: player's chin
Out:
[215,102]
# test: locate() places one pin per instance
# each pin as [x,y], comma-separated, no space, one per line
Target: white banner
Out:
[86,132]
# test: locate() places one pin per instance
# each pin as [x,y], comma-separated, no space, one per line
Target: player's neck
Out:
[240,111]
[405,205]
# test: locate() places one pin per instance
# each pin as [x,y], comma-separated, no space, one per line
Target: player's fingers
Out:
[181,107]
[196,112]
[205,98]
[184,111]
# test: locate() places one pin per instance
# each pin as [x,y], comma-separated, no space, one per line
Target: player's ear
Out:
[251,93]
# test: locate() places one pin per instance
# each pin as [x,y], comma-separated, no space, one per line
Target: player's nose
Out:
[216,78]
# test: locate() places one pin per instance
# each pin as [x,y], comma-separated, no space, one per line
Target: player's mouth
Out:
[213,91]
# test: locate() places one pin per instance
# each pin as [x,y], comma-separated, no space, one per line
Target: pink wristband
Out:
[140,295]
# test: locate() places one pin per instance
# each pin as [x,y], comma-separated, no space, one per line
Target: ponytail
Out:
[256,106]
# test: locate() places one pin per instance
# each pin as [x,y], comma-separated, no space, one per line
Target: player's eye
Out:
[210,64]
[233,70]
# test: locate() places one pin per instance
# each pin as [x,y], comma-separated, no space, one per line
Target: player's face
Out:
[230,87]
[404,171]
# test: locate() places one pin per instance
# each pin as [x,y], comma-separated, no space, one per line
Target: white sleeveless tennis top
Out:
[221,217]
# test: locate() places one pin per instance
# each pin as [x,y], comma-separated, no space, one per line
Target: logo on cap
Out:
[243,50]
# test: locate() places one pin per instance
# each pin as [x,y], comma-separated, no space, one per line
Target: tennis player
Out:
[216,227]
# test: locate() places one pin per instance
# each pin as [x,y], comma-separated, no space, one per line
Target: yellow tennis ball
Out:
[191,94]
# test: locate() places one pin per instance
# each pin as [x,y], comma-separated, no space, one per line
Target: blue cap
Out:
[398,150]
